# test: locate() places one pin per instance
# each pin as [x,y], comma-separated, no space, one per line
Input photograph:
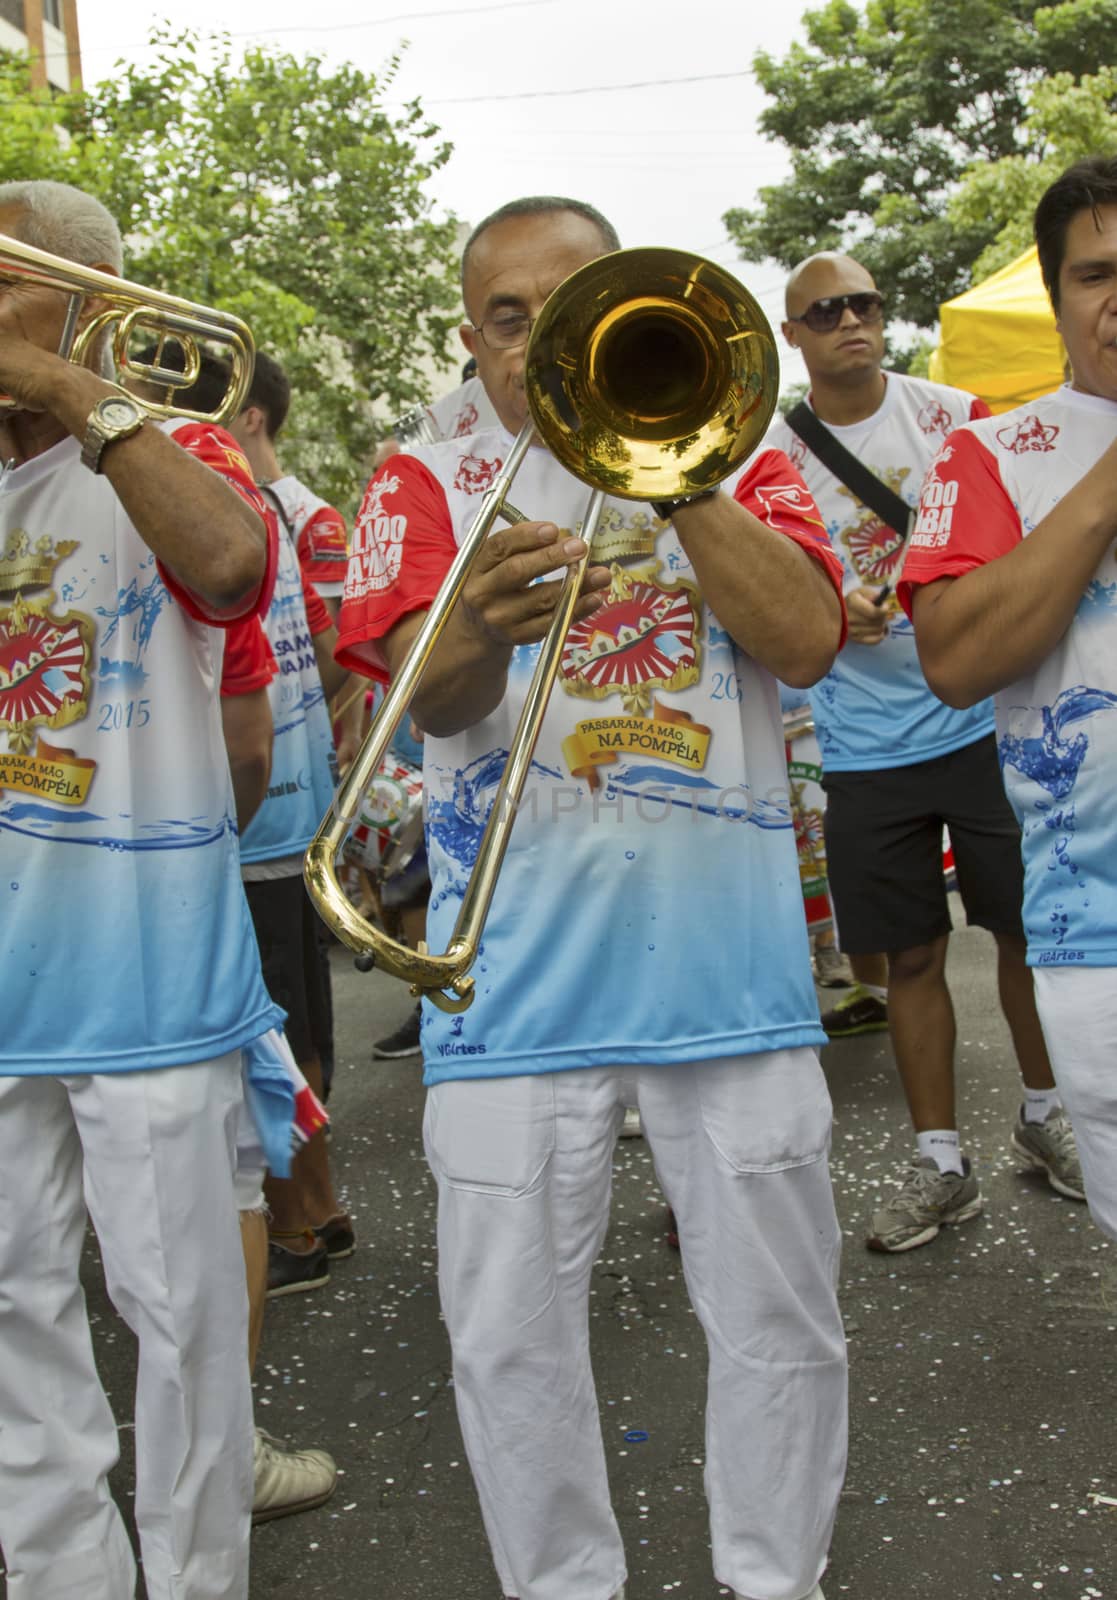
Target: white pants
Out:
[152,1155]
[1078,1009]
[524,1167]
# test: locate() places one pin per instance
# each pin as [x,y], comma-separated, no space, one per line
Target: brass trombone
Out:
[650,375]
[132,310]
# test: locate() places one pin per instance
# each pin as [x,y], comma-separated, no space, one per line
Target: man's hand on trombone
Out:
[504,601]
[507,600]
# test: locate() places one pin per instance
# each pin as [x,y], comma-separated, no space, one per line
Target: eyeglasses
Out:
[823,316]
[505,330]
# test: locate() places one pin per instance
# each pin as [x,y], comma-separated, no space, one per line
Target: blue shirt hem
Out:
[886,760]
[445,1069]
[147,1058]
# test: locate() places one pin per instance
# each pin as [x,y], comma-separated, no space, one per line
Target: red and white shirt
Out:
[318,532]
[990,486]
[656,821]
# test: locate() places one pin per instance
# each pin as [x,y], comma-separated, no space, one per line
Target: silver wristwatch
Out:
[114,417]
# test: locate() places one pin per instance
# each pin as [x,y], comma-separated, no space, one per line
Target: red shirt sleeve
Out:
[771,488]
[248,662]
[220,451]
[323,547]
[403,547]
[317,616]
[966,517]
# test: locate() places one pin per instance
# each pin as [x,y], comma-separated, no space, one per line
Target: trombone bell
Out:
[652,373]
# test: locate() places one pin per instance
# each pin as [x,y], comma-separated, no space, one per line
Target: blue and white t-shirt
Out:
[302,769]
[874,709]
[125,938]
[649,908]
[992,484]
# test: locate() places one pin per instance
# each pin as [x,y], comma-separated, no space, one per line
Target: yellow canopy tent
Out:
[998,340]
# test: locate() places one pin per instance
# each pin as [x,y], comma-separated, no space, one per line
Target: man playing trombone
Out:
[655,815]
[131,978]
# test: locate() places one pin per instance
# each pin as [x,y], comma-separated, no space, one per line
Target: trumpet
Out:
[650,375]
[133,311]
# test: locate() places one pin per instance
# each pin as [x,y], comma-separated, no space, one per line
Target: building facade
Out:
[47,32]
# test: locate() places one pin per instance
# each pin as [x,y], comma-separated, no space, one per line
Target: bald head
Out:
[826,273]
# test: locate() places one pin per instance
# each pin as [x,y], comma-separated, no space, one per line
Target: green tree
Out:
[278,189]
[1066,120]
[883,112]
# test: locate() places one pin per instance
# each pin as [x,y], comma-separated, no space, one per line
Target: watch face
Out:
[118,413]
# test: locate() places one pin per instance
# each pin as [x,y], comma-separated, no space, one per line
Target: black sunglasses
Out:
[823,316]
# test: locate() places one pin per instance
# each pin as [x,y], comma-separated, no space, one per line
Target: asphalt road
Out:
[983,1380]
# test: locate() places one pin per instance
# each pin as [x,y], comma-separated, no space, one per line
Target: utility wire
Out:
[599,88]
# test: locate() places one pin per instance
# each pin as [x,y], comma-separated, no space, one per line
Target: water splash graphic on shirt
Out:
[131,624]
[1051,760]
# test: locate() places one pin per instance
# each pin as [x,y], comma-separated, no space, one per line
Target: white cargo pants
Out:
[523,1167]
[151,1155]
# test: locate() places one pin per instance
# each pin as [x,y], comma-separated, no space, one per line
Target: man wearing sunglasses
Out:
[899,765]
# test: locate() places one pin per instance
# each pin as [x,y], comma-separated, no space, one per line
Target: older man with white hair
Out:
[130,975]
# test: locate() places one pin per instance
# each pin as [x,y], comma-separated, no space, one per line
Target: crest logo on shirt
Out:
[466,423]
[44,682]
[1027,435]
[372,506]
[934,418]
[474,475]
[873,549]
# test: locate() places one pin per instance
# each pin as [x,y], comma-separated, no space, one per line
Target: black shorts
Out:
[295,962]
[884,850]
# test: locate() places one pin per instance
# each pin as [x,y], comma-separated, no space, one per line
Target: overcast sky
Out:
[664,161]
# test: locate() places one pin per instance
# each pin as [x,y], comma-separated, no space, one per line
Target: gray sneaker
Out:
[926,1201]
[288,1480]
[1050,1147]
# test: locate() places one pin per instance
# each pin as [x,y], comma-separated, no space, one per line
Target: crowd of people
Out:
[178,615]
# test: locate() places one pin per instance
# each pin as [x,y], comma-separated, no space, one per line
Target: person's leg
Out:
[523,1167]
[740,1147]
[1078,1009]
[890,895]
[281,913]
[921,1021]
[159,1161]
[870,970]
[285,1480]
[61,1533]
[986,843]
[1018,1002]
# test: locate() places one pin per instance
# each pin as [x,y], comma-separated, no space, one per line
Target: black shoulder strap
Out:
[276,503]
[848,470]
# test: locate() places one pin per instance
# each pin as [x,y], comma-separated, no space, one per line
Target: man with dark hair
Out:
[131,980]
[898,765]
[308,1225]
[603,980]
[315,527]
[1010,580]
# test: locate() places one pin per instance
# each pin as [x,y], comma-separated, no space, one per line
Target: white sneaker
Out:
[288,1480]
[631,1128]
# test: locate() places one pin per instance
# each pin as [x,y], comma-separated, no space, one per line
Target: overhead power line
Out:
[594,88]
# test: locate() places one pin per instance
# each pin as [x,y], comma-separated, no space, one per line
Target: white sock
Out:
[877,990]
[1038,1102]
[942,1145]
